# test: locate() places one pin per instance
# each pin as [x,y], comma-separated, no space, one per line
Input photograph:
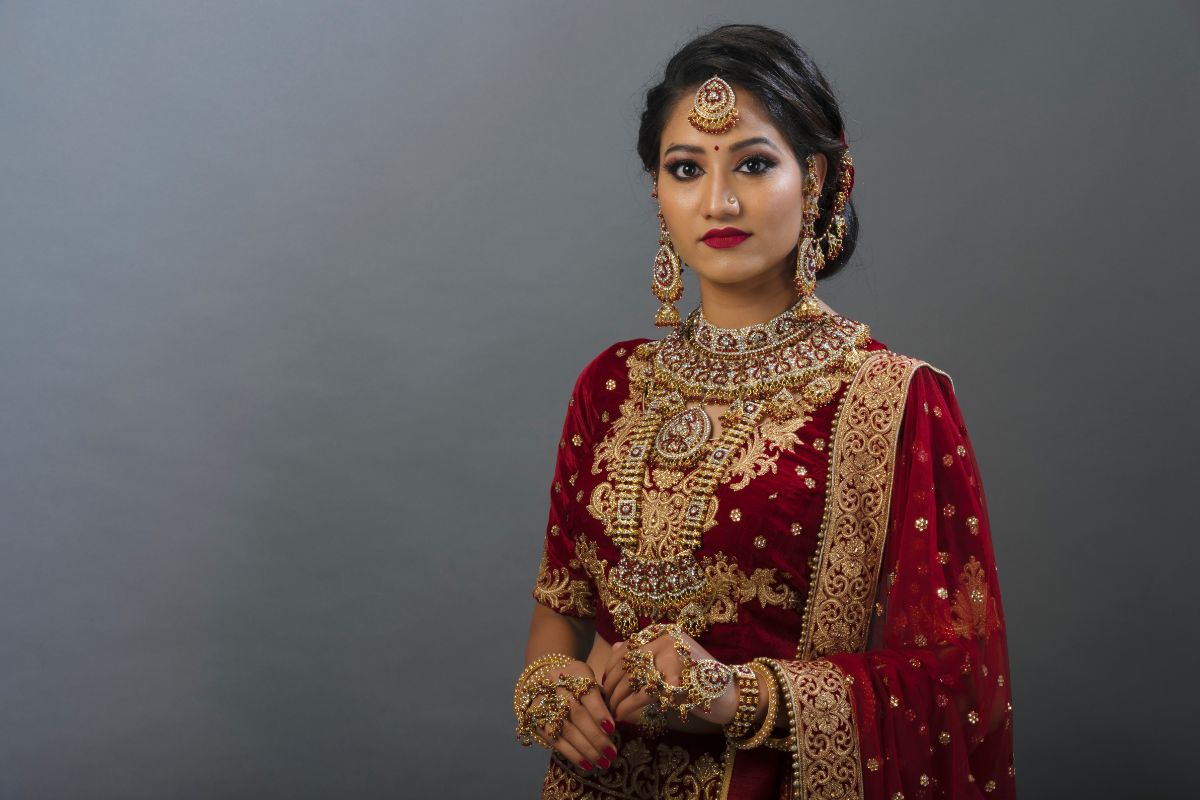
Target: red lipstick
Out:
[724,237]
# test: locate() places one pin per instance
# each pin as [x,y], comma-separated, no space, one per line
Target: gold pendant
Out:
[682,436]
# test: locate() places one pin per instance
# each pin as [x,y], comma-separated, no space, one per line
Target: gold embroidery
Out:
[973,613]
[636,774]
[556,589]
[826,762]
[729,586]
[754,460]
[616,441]
[666,490]
[858,497]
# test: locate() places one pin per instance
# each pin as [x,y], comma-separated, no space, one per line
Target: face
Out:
[752,163]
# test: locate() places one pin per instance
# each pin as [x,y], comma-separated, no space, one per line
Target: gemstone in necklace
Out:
[682,435]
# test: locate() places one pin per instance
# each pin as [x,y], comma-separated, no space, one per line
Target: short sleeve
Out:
[562,584]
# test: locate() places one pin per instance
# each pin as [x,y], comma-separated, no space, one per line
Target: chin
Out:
[731,274]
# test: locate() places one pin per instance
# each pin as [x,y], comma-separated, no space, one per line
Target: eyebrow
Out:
[691,148]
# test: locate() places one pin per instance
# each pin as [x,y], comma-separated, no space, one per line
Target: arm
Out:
[563,616]
[551,632]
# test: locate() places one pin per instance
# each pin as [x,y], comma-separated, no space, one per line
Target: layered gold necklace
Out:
[792,363]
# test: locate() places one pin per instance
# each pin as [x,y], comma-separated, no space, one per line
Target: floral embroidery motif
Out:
[556,589]
[636,774]
[729,586]
[763,449]
[829,764]
[973,613]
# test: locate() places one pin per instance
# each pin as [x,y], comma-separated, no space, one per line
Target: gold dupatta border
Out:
[837,612]
[826,759]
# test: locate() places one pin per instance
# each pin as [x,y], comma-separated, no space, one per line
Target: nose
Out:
[720,189]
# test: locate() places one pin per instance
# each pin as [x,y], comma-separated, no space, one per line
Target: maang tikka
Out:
[713,111]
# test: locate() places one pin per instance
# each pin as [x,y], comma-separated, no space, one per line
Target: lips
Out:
[725,237]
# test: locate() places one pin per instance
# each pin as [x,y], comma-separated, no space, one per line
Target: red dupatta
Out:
[900,687]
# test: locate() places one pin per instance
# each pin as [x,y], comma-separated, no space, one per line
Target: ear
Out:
[822,171]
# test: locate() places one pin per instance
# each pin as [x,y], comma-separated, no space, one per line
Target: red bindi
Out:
[716,147]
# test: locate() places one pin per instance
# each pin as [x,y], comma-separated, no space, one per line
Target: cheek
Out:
[783,213]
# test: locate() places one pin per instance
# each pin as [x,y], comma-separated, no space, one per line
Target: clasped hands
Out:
[660,657]
[632,681]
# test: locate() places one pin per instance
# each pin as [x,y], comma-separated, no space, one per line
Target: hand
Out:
[628,704]
[585,740]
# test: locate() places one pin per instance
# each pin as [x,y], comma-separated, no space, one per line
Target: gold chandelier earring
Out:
[666,280]
[809,258]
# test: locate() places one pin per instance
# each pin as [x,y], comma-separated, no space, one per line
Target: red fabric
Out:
[940,657]
[944,659]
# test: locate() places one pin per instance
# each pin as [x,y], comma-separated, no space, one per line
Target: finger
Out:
[601,713]
[588,724]
[576,738]
[631,706]
[615,659]
[612,679]
[571,754]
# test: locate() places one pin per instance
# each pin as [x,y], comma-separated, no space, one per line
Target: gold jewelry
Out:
[526,694]
[577,685]
[785,366]
[809,259]
[713,110]
[705,681]
[652,722]
[836,230]
[768,725]
[665,277]
[747,685]
[643,674]
[669,693]
[546,709]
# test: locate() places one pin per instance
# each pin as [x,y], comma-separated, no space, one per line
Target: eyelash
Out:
[671,167]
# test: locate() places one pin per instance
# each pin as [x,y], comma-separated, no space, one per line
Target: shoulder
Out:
[611,363]
[912,369]
[604,380]
[903,382]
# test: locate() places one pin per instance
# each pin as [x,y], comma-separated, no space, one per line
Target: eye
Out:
[688,165]
[763,163]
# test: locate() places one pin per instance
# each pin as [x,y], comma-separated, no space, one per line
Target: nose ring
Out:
[731,199]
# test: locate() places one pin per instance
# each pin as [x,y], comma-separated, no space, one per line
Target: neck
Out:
[750,303]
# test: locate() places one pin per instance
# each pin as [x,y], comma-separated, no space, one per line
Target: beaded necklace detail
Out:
[754,369]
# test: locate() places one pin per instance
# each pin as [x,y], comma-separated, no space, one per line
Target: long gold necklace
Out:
[754,368]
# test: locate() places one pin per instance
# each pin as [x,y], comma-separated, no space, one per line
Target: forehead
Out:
[752,121]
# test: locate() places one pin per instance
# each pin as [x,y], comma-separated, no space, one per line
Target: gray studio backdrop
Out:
[293,294]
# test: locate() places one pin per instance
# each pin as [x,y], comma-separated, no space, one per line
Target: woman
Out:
[768,567]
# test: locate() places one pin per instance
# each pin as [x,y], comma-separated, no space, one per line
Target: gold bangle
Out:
[768,725]
[747,699]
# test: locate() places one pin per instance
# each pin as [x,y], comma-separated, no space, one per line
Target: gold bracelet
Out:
[747,698]
[548,709]
[768,725]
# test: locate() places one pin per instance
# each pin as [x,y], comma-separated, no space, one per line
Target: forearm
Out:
[551,632]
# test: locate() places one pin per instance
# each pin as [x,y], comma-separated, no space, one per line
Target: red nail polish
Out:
[586,765]
[603,763]
[610,752]
[608,727]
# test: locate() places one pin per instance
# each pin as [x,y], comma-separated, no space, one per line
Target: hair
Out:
[770,65]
